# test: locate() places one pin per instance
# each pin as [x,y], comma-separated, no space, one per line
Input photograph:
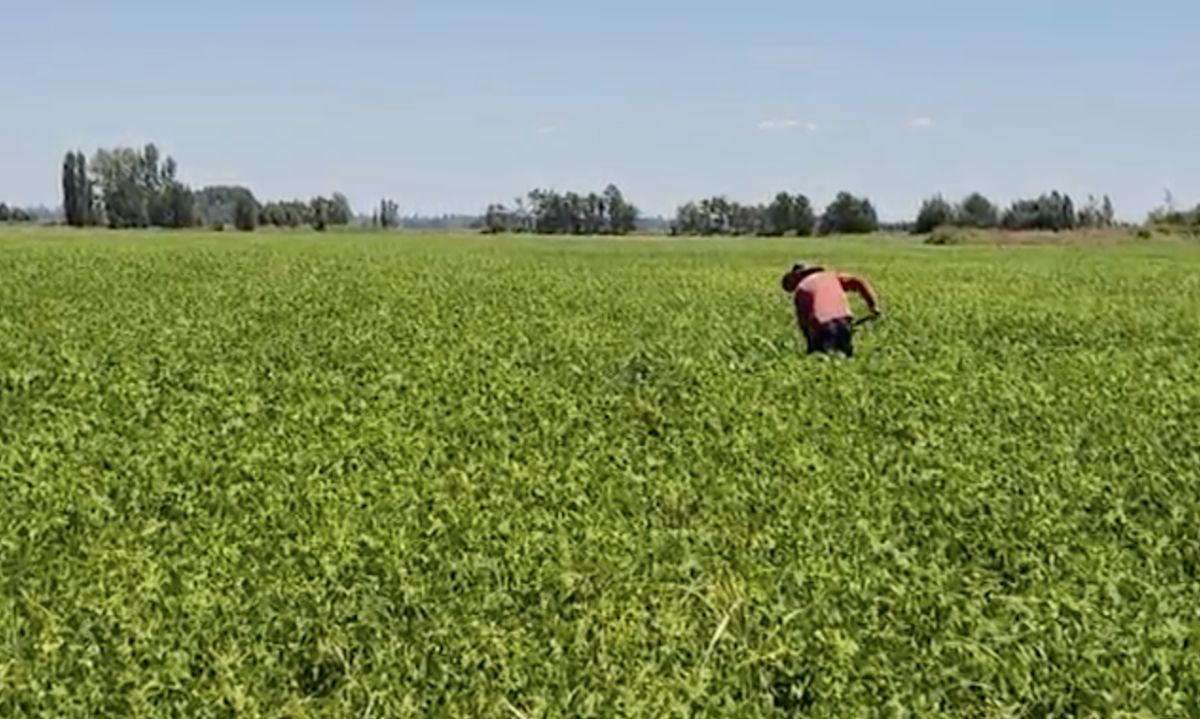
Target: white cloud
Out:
[920,122]
[787,125]
[547,130]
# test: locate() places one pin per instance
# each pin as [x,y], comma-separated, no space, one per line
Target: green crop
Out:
[365,476]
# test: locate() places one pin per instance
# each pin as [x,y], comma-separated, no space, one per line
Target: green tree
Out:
[320,210]
[551,212]
[78,201]
[688,220]
[245,213]
[175,203]
[978,211]
[1054,212]
[389,214]
[849,215]
[780,215]
[117,174]
[70,192]
[935,212]
[179,204]
[496,219]
[1093,215]
[804,220]
[215,205]
[150,182]
[339,210]
[291,214]
[622,215]
[1067,219]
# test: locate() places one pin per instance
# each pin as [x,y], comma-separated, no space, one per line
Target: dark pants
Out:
[831,337]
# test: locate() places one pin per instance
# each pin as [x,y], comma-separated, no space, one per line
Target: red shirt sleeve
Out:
[850,283]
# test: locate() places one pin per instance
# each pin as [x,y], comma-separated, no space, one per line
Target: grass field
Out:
[364,476]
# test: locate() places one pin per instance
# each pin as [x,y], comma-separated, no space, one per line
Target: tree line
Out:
[1168,217]
[129,188]
[126,187]
[549,212]
[785,215]
[15,214]
[1054,212]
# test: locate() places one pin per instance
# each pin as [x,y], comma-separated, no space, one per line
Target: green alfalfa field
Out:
[356,475]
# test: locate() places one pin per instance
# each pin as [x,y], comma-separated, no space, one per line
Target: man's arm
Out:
[850,283]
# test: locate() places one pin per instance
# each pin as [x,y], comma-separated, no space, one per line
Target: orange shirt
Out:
[821,297]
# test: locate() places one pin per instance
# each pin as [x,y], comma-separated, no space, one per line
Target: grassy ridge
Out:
[357,475]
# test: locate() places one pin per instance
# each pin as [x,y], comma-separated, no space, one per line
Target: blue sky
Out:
[448,105]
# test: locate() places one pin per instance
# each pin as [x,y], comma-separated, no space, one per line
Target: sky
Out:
[448,105]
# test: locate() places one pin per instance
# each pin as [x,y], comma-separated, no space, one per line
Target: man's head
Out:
[796,275]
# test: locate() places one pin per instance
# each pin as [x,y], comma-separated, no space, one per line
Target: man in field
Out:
[822,308]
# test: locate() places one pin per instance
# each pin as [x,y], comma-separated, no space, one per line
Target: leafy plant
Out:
[435,476]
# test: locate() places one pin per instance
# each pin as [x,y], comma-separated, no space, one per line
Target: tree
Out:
[15,214]
[320,211]
[340,212]
[118,175]
[78,202]
[1096,214]
[496,219]
[688,220]
[245,213]
[804,220]
[389,214]
[70,188]
[293,213]
[849,215]
[519,219]
[150,182]
[173,204]
[718,215]
[977,211]
[1067,219]
[721,216]
[137,189]
[780,215]
[747,219]
[935,213]
[179,206]
[788,214]
[216,205]
[1054,212]
[551,212]
[70,193]
[622,215]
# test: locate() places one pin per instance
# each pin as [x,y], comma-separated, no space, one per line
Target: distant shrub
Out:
[946,236]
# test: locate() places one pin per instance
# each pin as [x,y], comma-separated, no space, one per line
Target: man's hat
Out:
[798,271]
